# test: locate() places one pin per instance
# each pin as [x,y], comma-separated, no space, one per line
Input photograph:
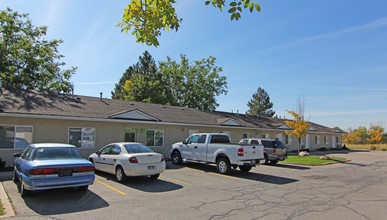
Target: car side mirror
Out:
[98,152]
[185,142]
[16,155]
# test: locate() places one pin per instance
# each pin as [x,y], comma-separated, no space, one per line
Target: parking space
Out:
[197,191]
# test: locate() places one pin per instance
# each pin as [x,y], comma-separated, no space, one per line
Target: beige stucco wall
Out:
[57,131]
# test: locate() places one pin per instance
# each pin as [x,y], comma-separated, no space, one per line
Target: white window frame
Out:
[82,141]
[154,137]
[14,136]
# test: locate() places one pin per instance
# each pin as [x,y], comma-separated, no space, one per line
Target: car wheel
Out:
[176,157]
[120,174]
[153,177]
[15,178]
[245,168]
[23,191]
[274,162]
[266,161]
[223,165]
[83,188]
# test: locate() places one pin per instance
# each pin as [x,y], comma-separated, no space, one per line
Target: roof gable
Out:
[231,122]
[311,128]
[284,126]
[135,115]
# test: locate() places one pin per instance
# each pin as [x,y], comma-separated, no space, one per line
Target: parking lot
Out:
[353,190]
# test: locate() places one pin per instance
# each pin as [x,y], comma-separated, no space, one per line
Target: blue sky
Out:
[333,53]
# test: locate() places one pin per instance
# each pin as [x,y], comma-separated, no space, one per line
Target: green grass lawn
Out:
[311,160]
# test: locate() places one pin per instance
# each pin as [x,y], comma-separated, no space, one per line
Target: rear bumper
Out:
[53,181]
[277,157]
[144,169]
[248,162]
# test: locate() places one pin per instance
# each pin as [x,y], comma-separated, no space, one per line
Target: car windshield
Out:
[57,153]
[137,148]
[278,144]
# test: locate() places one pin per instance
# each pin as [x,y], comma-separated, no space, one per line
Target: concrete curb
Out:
[8,209]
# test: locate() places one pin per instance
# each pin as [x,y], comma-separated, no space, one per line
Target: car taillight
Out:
[274,150]
[46,171]
[84,169]
[162,158]
[133,160]
[240,152]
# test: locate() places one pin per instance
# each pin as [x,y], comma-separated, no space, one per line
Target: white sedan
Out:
[128,159]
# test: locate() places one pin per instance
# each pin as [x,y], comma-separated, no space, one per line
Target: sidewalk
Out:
[8,209]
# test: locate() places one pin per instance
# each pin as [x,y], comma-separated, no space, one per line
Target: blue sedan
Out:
[48,166]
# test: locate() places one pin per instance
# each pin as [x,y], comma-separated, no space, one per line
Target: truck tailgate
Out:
[252,152]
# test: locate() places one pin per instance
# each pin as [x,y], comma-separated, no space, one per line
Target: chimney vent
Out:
[100,95]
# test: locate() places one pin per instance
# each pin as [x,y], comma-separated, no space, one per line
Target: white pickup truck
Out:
[216,148]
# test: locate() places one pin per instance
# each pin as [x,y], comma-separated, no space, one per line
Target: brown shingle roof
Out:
[19,101]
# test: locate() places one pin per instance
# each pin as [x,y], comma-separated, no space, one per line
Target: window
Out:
[221,139]
[247,135]
[106,150]
[26,153]
[154,138]
[115,150]
[202,139]
[82,137]
[15,137]
[193,139]
[325,140]
[288,139]
[245,141]
[130,135]
[316,139]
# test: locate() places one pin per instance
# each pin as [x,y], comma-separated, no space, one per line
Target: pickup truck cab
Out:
[274,150]
[217,149]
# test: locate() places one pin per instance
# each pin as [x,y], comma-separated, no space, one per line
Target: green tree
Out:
[173,83]
[194,86]
[260,104]
[141,82]
[27,60]
[146,18]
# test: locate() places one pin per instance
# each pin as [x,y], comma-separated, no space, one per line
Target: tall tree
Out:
[146,18]
[194,86]
[376,134]
[141,82]
[361,135]
[173,83]
[260,104]
[27,60]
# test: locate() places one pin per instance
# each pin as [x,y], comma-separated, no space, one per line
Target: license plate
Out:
[151,167]
[65,173]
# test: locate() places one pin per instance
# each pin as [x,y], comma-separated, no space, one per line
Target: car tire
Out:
[273,162]
[154,177]
[15,179]
[245,168]
[223,165]
[120,174]
[176,158]
[23,191]
[83,188]
[266,161]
